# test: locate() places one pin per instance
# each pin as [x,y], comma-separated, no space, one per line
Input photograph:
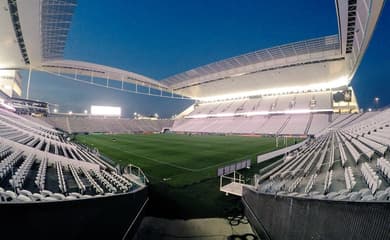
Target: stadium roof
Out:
[315,64]
[319,48]
[33,35]
[33,31]
[92,70]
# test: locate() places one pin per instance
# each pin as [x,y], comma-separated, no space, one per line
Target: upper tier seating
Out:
[277,104]
[294,114]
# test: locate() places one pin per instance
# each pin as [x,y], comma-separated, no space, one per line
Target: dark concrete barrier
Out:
[93,218]
[280,217]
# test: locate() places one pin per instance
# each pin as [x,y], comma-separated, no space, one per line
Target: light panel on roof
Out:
[336,83]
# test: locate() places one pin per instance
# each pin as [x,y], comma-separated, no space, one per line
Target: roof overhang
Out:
[33,31]
[75,69]
[322,63]
[33,35]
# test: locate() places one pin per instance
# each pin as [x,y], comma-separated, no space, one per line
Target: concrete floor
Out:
[204,229]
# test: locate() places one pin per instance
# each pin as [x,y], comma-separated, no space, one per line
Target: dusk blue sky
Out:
[162,38]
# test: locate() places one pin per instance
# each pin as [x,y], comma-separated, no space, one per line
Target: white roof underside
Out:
[288,54]
[34,33]
[316,64]
[75,69]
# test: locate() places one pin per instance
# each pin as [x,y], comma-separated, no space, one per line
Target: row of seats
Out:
[122,179]
[41,175]
[301,163]
[7,164]
[95,185]
[328,181]
[350,181]
[363,148]
[295,165]
[352,150]
[19,122]
[281,124]
[61,179]
[35,140]
[311,182]
[288,163]
[43,196]
[363,194]
[74,124]
[104,181]
[323,155]
[119,185]
[384,166]
[4,151]
[295,184]
[351,153]
[379,148]
[35,159]
[20,175]
[343,155]
[39,138]
[332,152]
[76,177]
[318,101]
[370,177]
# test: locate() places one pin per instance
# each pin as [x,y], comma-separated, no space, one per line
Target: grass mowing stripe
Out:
[167,155]
[154,160]
[181,167]
[182,193]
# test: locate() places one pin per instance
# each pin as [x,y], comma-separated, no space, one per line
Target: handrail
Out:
[137,172]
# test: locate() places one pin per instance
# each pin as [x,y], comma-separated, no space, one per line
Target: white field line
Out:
[181,167]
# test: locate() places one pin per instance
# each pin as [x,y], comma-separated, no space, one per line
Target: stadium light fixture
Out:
[55,110]
[85,111]
[70,112]
[376,101]
[261,113]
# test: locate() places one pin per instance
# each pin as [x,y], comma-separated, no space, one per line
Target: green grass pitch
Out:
[182,169]
[178,159]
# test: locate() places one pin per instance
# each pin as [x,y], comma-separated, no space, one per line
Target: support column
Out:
[28,83]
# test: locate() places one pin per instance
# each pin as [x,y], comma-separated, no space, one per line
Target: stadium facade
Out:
[298,89]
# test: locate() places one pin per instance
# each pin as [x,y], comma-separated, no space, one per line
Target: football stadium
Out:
[268,144]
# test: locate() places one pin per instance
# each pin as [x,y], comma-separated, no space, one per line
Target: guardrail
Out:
[270,155]
[137,172]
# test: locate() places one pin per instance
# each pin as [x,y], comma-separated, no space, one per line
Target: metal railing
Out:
[136,172]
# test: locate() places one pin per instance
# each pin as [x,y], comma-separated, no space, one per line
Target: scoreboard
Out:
[106,111]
